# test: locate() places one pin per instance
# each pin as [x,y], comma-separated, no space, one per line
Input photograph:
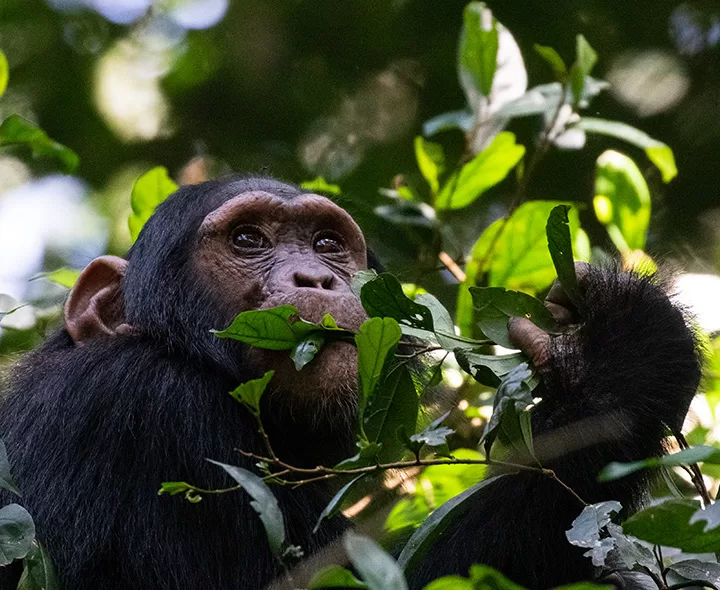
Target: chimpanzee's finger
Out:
[531,340]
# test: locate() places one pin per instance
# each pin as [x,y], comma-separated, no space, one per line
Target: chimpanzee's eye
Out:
[250,238]
[328,243]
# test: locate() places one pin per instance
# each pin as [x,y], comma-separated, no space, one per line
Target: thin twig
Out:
[694,471]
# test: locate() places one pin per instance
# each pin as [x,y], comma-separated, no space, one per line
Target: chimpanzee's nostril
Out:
[314,280]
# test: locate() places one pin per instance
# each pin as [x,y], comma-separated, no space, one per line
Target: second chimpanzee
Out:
[133,391]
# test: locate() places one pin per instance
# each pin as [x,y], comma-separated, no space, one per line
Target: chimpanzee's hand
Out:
[534,341]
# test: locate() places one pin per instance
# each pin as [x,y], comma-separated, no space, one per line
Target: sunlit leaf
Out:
[263,502]
[484,171]
[376,567]
[376,340]
[659,153]
[149,190]
[250,392]
[17,532]
[431,161]
[4,73]
[560,247]
[16,130]
[321,185]
[479,46]
[622,202]
[278,328]
[335,576]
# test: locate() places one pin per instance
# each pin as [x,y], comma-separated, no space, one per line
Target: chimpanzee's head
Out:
[216,249]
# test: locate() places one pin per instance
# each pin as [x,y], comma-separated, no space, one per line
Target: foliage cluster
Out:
[514,259]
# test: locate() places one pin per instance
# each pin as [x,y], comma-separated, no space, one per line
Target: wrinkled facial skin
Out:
[259,251]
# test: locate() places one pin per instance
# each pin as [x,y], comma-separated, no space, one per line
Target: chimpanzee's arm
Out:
[609,387]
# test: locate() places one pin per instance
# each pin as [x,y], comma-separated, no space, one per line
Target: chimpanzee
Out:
[133,391]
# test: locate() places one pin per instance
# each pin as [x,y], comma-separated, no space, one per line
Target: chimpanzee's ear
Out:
[95,306]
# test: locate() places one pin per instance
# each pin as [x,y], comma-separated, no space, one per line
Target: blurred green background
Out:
[300,89]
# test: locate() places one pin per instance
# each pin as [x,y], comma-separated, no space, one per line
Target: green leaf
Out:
[384,297]
[560,247]
[710,515]
[38,571]
[622,200]
[360,278]
[6,480]
[17,532]
[585,60]
[509,422]
[278,328]
[488,369]
[545,98]
[494,306]
[699,454]
[376,567]
[335,505]
[669,524]
[4,73]
[250,392]
[334,576]
[588,529]
[436,524]
[435,435]
[263,502]
[149,190]
[431,161]
[321,185]
[552,58]
[368,455]
[479,46]
[694,569]
[18,131]
[482,577]
[391,405]
[408,213]
[519,258]
[377,339]
[659,153]
[450,583]
[306,349]
[484,171]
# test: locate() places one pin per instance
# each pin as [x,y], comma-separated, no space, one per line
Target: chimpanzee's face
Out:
[259,250]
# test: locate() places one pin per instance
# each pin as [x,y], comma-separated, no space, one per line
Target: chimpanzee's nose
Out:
[315,279]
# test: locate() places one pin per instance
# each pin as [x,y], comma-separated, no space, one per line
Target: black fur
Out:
[611,388]
[93,430]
